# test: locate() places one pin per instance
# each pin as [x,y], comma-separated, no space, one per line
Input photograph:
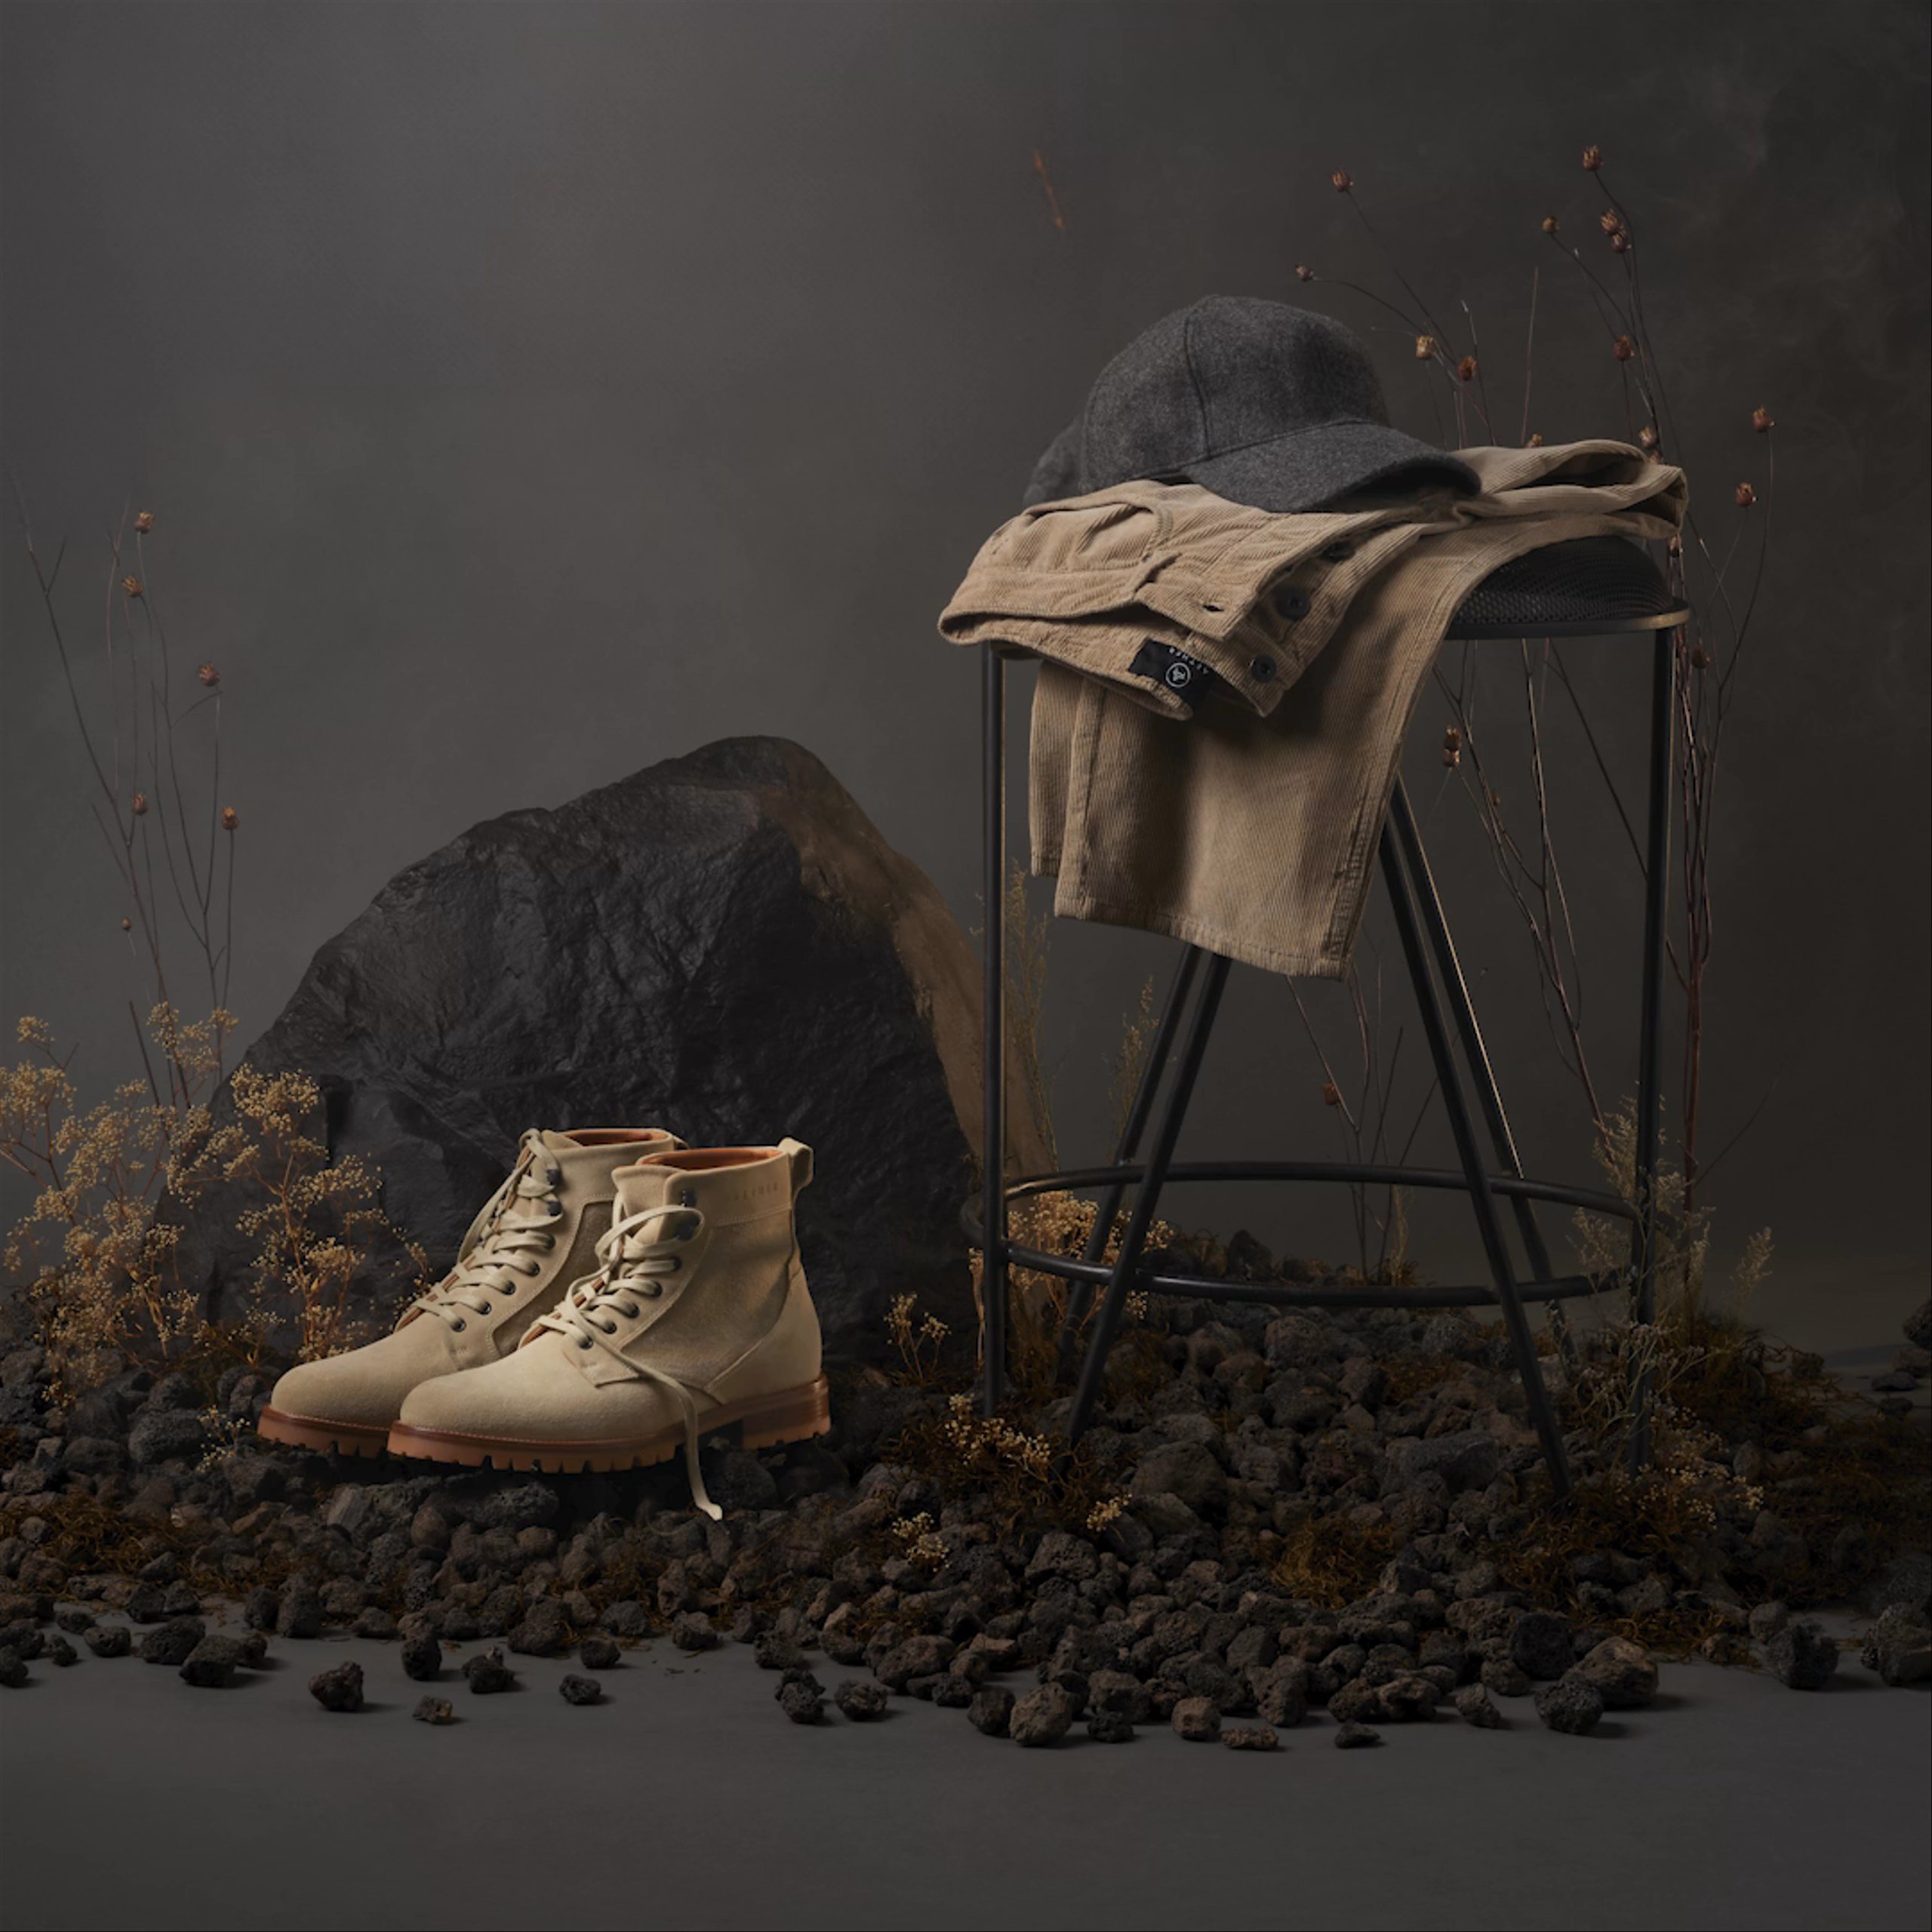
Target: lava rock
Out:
[1917,1328]
[299,1612]
[1473,1706]
[917,1656]
[1110,1727]
[109,1639]
[13,1672]
[72,1619]
[1622,1671]
[737,1480]
[1356,1737]
[1188,1470]
[991,1711]
[575,1690]
[338,1688]
[773,1652]
[627,1619]
[173,1642]
[692,1630]
[1768,1619]
[1898,1646]
[24,1640]
[373,1621]
[597,1652]
[1250,1737]
[1465,1459]
[1504,1677]
[800,1701]
[1197,1720]
[1802,1657]
[862,1703]
[212,1663]
[1540,1645]
[488,1675]
[434,1710]
[723,940]
[147,1604]
[1572,1705]
[60,1651]
[161,1435]
[421,1658]
[1040,1717]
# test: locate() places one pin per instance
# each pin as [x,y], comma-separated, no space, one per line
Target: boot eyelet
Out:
[485,1310]
[555,1209]
[687,1197]
[655,1289]
[677,1262]
[583,1341]
[535,1268]
[630,1314]
[610,1327]
[460,1326]
[549,1244]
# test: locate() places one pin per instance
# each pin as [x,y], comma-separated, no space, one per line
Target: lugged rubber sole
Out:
[760,1422]
[338,1438]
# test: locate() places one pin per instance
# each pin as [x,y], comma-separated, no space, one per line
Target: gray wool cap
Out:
[1262,403]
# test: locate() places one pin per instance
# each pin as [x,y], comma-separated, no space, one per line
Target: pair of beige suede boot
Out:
[619,1295]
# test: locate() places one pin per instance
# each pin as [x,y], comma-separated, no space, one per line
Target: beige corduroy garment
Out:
[1219,716]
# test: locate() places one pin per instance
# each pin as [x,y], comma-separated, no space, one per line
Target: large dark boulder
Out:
[721,944]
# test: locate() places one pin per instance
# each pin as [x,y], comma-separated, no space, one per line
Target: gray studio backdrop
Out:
[526,393]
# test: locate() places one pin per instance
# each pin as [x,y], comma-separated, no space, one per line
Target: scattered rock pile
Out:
[1276,1516]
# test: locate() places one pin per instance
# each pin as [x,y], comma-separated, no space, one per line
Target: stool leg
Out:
[992,1160]
[1482,1199]
[1147,1196]
[1643,1236]
[1081,1299]
[1462,1010]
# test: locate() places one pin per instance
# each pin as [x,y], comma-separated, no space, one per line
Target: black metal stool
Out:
[1594,587]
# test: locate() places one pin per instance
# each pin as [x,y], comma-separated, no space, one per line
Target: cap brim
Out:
[1314,466]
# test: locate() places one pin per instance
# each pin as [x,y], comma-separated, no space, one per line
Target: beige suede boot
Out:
[699,1319]
[536,1234]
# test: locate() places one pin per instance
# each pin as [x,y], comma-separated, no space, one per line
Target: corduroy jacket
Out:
[1225,690]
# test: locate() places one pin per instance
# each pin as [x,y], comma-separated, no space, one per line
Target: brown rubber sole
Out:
[758,1423]
[337,1438]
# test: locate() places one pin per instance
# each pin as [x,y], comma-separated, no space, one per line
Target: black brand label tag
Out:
[1187,677]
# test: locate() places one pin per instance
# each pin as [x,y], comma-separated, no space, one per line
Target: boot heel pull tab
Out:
[800,1156]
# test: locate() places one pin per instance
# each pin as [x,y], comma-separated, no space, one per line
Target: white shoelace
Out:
[507,1232]
[634,1265]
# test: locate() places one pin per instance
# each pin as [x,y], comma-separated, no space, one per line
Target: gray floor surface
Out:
[127,1800]
[686,1800]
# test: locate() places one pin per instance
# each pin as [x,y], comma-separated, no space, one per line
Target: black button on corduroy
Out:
[1262,669]
[1339,551]
[1291,602]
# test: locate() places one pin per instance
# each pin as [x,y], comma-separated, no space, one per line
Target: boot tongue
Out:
[648,1185]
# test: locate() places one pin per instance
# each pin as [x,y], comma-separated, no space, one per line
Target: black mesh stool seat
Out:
[1594,586]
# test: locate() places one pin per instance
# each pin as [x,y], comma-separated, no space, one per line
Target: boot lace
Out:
[637,1255]
[517,1222]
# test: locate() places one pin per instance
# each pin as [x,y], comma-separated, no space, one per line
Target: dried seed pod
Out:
[1623,349]
[1331,1094]
[230,818]
[1747,495]
[1549,224]
[1424,347]
[144,521]
[1761,419]
[1593,158]
[1466,368]
[1341,181]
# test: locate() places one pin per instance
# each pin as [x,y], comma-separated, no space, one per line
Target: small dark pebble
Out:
[12,1669]
[692,1630]
[488,1673]
[1474,1707]
[74,1620]
[24,1640]
[173,1643]
[598,1653]
[338,1688]
[1107,1727]
[1802,1657]
[777,1652]
[1356,1737]
[1572,1705]
[800,1702]
[109,1640]
[860,1701]
[953,1692]
[374,1621]
[575,1690]
[422,1659]
[1250,1737]
[60,1651]
[434,1710]
[1197,1720]
[210,1664]
[991,1711]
